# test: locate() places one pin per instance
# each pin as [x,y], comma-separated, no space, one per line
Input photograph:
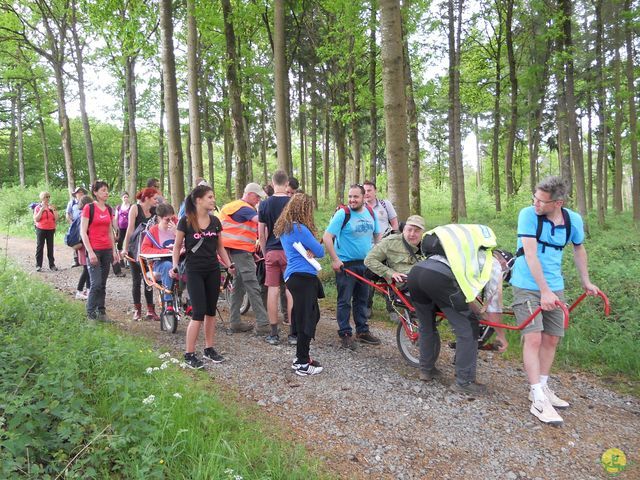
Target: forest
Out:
[332,91]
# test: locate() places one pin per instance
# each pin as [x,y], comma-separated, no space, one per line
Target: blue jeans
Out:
[352,293]
[163,268]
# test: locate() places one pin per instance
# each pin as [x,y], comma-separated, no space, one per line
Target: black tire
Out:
[225,297]
[409,349]
[169,321]
[245,305]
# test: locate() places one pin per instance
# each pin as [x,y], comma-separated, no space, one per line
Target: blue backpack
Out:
[72,237]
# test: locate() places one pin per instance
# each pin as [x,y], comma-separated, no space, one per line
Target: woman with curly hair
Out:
[295,225]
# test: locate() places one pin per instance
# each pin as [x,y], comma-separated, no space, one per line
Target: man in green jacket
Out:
[393,257]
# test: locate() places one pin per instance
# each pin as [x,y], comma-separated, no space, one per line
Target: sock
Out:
[538,394]
[274,329]
[543,380]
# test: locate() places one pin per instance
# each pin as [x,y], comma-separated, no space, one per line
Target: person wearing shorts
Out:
[275,261]
[543,231]
[200,232]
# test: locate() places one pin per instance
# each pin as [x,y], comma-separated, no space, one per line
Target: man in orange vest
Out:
[239,234]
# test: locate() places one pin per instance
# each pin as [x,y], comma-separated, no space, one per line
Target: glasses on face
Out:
[47,196]
[544,202]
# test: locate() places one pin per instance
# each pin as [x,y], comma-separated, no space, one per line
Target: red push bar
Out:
[605,300]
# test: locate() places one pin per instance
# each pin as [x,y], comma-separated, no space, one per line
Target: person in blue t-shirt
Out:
[295,224]
[353,241]
[537,281]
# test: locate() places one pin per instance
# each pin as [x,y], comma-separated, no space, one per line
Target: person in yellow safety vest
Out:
[459,266]
[239,233]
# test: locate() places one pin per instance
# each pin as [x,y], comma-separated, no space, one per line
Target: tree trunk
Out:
[235,100]
[133,132]
[161,133]
[373,108]
[633,129]
[176,169]
[576,146]
[339,134]
[513,81]
[314,146]
[65,127]
[280,85]
[12,138]
[589,150]
[43,134]
[412,119]
[325,153]
[88,142]
[457,116]
[353,111]
[20,133]
[564,152]
[617,125]
[302,120]
[601,184]
[263,137]
[228,145]
[197,169]
[124,150]
[395,105]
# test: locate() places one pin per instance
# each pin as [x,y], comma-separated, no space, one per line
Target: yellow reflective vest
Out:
[461,244]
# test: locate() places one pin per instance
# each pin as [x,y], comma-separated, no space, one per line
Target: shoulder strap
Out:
[368,207]
[92,208]
[347,215]
[567,224]
[410,250]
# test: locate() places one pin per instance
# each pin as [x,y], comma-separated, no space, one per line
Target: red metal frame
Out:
[387,288]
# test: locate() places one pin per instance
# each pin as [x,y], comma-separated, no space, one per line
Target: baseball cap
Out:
[255,188]
[79,189]
[416,221]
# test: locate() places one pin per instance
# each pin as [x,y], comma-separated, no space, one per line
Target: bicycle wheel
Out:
[409,349]
[169,321]
[226,294]
[244,306]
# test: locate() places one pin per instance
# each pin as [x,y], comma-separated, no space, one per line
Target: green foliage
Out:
[88,402]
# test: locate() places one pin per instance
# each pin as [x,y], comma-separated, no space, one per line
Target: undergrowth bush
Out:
[81,400]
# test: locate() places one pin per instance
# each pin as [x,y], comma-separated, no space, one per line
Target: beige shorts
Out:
[525,302]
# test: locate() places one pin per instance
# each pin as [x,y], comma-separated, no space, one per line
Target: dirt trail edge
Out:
[368,416]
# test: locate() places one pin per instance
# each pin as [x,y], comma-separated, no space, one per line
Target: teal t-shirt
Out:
[550,258]
[355,240]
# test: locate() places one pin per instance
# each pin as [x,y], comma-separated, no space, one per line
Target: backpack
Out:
[73,238]
[123,217]
[141,231]
[347,213]
[567,227]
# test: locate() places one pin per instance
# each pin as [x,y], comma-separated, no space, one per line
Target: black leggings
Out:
[136,280]
[84,280]
[204,288]
[43,236]
[305,313]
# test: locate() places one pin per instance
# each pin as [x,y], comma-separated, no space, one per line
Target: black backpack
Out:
[567,227]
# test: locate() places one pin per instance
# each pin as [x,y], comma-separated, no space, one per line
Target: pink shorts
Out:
[275,263]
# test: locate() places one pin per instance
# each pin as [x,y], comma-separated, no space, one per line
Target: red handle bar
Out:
[559,304]
[605,300]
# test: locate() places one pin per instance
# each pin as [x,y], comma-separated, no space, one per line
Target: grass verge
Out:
[84,401]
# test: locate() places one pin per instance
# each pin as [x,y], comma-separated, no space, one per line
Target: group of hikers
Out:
[443,270]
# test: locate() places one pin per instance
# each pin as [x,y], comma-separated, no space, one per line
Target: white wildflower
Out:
[164,365]
[149,400]
[183,365]
[174,360]
[177,395]
[228,471]
[238,477]
[155,369]
[149,370]
[164,355]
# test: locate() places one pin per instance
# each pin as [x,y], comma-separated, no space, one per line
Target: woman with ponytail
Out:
[138,214]
[199,231]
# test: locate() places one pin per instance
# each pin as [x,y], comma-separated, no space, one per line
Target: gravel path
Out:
[368,416]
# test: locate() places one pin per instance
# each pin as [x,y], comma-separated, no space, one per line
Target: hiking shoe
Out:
[308,369]
[368,339]
[262,330]
[241,326]
[121,274]
[102,317]
[38,269]
[53,268]
[81,295]
[211,354]
[193,361]
[292,340]
[348,342]
[428,375]
[75,264]
[272,339]
[470,388]
[545,412]
[556,402]
[296,365]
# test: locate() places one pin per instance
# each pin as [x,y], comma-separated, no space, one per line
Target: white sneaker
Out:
[81,296]
[545,412]
[556,401]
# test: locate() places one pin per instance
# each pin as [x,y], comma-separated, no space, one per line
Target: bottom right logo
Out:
[613,460]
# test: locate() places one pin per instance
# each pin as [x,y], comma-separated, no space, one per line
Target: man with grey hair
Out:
[544,229]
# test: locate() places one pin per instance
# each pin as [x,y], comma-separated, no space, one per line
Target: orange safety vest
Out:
[238,235]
